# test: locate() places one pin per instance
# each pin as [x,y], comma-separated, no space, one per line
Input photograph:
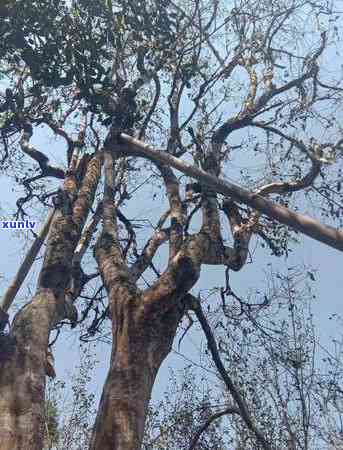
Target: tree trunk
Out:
[143,323]
[139,348]
[23,351]
[22,375]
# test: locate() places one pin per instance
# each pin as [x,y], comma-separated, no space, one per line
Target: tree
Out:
[70,423]
[107,77]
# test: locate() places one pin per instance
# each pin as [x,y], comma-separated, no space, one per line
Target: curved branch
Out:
[176,209]
[249,113]
[39,157]
[182,273]
[153,106]
[60,132]
[209,421]
[280,187]
[291,186]
[242,231]
[145,258]
[194,304]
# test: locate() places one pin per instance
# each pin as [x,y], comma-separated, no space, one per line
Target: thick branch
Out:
[78,277]
[39,157]
[67,226]
[108,253]
[176,209]
[89,185]
[306,225]
[180,276]
[242,231]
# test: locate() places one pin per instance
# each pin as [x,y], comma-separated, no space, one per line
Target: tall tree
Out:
[109,78]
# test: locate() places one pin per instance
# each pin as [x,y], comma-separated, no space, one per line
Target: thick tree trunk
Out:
[23,351]
[143,323]
[23,374]
[139,348]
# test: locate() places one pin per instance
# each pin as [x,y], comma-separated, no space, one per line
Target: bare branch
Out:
[145,258]
[305,224]
[176,209]
[252,108]
[26,265]
[243,408]
[46,169]
[209,421]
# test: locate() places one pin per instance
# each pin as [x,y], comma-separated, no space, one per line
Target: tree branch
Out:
[209,421]
[145,258]
[194,304]
[176,209]
[26,265]
[108,253]
[305,224]
[39,157]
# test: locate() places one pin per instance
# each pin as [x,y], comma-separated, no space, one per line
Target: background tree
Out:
[183,76]
[69,421]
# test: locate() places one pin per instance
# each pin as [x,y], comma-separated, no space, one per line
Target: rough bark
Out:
[140,345]
[144,323]
[23,351]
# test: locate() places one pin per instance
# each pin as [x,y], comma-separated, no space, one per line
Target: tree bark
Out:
[23,372]
[23,351]
[139,348]
[144,323]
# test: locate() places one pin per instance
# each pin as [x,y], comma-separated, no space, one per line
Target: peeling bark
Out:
[22,374]
[144,325]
